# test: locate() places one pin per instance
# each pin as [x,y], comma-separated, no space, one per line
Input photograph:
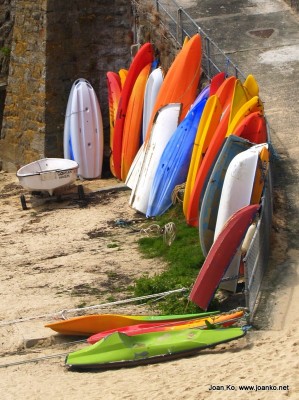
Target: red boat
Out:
[221,254]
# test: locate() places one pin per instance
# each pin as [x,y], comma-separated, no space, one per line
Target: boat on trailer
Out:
[47,175]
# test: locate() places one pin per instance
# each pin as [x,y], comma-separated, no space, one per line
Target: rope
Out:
[33,360]
[76,112]
[152,229]
[168,231]
[61,314]
[177,195]
[230,278]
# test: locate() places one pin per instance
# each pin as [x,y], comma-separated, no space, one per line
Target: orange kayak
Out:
[90,324]
[133,122]
[181,81]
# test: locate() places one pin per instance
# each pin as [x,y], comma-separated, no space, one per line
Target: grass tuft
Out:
[184,260]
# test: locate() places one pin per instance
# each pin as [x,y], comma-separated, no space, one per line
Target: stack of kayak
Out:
[163,133]
[215,143]
[126,340]
[133,106]
[185,151]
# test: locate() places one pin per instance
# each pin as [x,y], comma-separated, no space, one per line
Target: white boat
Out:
[134,171]
[48,174]
[83,130]
[236,193]
[152,88]
[164,125]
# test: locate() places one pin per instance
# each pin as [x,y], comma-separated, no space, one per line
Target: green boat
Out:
[119,350]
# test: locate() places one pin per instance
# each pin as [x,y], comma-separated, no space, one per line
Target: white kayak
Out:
[152,88]
[164,125]
[236,193]
[83,130]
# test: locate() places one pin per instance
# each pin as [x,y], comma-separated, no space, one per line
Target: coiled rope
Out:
[168,231]
[177,195]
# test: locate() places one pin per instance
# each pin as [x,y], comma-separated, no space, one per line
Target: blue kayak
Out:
[174,163]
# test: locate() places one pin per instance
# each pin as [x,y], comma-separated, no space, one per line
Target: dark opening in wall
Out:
[82,42]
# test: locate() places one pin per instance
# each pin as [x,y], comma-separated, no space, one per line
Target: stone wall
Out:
[55,42]
[6,26]
[23,127]
[294,4]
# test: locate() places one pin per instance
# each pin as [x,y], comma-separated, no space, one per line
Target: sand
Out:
[73,253]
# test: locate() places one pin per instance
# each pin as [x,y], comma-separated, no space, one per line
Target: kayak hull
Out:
[119,350]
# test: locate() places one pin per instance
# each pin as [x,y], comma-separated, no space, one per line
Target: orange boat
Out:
[122,76]
[114,91]
[143,57]
[87,325]
[133,122]
[181,81]
[260,176]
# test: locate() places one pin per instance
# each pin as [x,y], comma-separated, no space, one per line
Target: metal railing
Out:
[179,24]
[256,259]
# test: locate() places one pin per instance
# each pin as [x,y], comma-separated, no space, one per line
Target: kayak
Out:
[174,162]
[220,255]
[209,207]
[120,350]
[224,320]
[87,325]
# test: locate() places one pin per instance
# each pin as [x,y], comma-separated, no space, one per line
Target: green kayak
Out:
[119,350]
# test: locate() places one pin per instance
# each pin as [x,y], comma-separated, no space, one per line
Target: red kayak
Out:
[143,57]
[216,82]
[220,255]
[225,320]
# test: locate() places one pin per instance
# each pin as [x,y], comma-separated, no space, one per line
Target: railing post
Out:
[208,54]
[136,21]
[179,33]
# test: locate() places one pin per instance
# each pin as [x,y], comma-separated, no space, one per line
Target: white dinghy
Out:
[48,174]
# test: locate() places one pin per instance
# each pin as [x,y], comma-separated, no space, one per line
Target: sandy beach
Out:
[69,254]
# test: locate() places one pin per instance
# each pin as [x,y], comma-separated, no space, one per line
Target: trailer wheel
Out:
[81,193]
[23,202]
